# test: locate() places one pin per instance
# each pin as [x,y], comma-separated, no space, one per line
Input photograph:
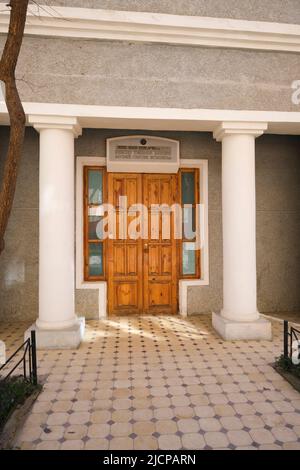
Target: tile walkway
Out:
[160,383]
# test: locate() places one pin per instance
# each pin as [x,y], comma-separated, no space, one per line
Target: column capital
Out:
[239,128]
[40,122]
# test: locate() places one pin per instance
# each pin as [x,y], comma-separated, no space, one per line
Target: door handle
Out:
[146,248]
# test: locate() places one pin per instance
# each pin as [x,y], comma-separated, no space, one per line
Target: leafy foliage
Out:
[13,392]
[286,364]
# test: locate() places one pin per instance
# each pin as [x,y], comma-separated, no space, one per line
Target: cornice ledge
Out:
[240,128]
[135,26]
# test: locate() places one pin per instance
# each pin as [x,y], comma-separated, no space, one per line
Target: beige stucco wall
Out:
[278,225]
[95,72]
[261,10]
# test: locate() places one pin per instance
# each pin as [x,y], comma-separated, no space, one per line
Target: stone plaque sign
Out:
[142,154]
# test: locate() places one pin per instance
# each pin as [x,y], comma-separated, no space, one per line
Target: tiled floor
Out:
[160,383]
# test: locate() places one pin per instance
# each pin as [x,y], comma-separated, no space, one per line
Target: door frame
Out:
[101,287]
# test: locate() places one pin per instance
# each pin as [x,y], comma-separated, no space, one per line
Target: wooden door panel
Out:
[132,260]
[153,187]
[132,191]
[154,226]
[125,282]
[166,192]
[166,260]
[119,260]
[154,260]
[118,190]
[160,294]
[126,295]
[160,256]
[121,225]
[142,274]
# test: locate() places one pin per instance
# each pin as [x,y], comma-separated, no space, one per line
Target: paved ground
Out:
[293,317]
[160,382]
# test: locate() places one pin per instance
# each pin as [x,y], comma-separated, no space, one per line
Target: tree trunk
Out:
[16,113]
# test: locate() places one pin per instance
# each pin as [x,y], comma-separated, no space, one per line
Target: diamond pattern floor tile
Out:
[160,383]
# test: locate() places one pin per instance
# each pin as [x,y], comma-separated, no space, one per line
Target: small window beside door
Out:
[94,244]
[189,194]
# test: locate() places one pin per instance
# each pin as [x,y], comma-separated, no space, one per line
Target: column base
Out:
[68,338]
[229,330]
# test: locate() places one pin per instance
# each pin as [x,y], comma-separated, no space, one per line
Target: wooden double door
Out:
[142,269]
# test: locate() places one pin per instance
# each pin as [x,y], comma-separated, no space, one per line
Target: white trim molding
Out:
[184,284]
[54,21]
[168,119]
[79,264]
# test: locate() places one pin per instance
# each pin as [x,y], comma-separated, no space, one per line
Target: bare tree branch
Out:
[8,63]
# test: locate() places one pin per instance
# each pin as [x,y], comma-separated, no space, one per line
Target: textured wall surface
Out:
[278,222]
[155,75]
[19,261]
[278,225]
[286,11]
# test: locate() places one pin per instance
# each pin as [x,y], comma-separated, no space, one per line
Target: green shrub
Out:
[286,364]
[13,392]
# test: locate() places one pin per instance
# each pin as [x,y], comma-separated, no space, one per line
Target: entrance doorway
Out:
[142,273]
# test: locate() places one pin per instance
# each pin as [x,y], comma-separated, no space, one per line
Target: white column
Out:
[57,326]
[239,318]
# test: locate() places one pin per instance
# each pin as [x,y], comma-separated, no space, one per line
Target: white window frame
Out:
[81,162]
[184,284]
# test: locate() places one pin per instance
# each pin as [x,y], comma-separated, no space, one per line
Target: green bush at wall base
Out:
[286,364]
[13,392]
